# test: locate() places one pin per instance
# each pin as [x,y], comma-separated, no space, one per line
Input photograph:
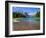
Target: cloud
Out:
[32,14]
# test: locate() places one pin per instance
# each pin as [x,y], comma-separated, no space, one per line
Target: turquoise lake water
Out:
[31,19]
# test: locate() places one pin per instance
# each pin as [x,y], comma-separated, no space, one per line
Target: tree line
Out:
[19,14]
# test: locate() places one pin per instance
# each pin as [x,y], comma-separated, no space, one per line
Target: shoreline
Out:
[25,26]
[14,20]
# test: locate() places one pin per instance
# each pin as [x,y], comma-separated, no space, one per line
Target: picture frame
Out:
[23,5]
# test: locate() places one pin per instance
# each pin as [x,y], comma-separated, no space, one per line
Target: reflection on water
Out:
[31,19]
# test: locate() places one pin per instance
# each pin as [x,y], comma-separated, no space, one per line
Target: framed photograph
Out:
[24,18]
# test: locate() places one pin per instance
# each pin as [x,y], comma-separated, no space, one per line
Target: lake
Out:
[31,19]
[32,23]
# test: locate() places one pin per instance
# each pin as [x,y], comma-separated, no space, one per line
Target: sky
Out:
[29,10]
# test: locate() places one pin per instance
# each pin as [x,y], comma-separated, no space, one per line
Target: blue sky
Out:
[29,10]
